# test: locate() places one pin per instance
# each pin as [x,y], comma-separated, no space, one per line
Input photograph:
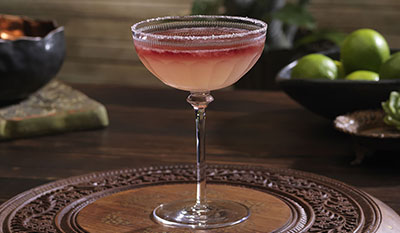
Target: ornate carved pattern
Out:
[319,204]
[366,123]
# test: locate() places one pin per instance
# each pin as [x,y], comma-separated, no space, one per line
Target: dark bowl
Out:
[330,98]
[29,62]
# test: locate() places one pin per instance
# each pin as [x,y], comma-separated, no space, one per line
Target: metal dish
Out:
[369,132]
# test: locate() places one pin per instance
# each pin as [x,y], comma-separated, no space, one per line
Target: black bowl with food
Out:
[31,54]
[330,98]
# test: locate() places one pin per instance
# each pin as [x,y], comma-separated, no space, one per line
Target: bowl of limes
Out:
[360,76]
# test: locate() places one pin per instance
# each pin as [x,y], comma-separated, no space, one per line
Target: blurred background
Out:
[100,47]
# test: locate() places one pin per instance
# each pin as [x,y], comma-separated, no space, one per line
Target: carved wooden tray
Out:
[280,200]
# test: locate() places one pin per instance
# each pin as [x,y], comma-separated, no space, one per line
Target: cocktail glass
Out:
[199,54]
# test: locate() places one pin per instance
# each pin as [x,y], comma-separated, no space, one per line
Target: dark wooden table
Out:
[156,127]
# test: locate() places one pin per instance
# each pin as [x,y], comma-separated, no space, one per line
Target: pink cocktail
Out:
[203,67]
[199,54]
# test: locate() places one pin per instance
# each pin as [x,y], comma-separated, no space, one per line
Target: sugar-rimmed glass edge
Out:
[139,35]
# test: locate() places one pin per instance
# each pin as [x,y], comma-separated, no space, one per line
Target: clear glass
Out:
[199,54]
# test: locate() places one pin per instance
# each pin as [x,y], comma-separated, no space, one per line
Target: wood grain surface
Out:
[156,126]
[129,211]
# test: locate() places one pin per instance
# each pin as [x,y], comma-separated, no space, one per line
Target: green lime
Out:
[340,69]
[315,66]
[363,75]
[364,49]
[391,68]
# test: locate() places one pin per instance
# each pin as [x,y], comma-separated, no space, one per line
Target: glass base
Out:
[217,213]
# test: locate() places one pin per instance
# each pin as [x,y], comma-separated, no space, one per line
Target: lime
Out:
[391,68]
[340,69]
[314,66]
[363,75]
[364,49]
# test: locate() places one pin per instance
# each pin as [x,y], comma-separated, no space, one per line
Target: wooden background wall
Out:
[99,43]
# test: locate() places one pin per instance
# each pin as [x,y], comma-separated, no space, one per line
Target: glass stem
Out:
[199,102]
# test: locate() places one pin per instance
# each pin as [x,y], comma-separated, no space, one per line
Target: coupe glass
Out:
[199,54]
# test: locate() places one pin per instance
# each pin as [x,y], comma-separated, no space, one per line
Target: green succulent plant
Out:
[392,110]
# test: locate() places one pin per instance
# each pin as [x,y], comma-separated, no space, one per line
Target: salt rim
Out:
[263,27]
